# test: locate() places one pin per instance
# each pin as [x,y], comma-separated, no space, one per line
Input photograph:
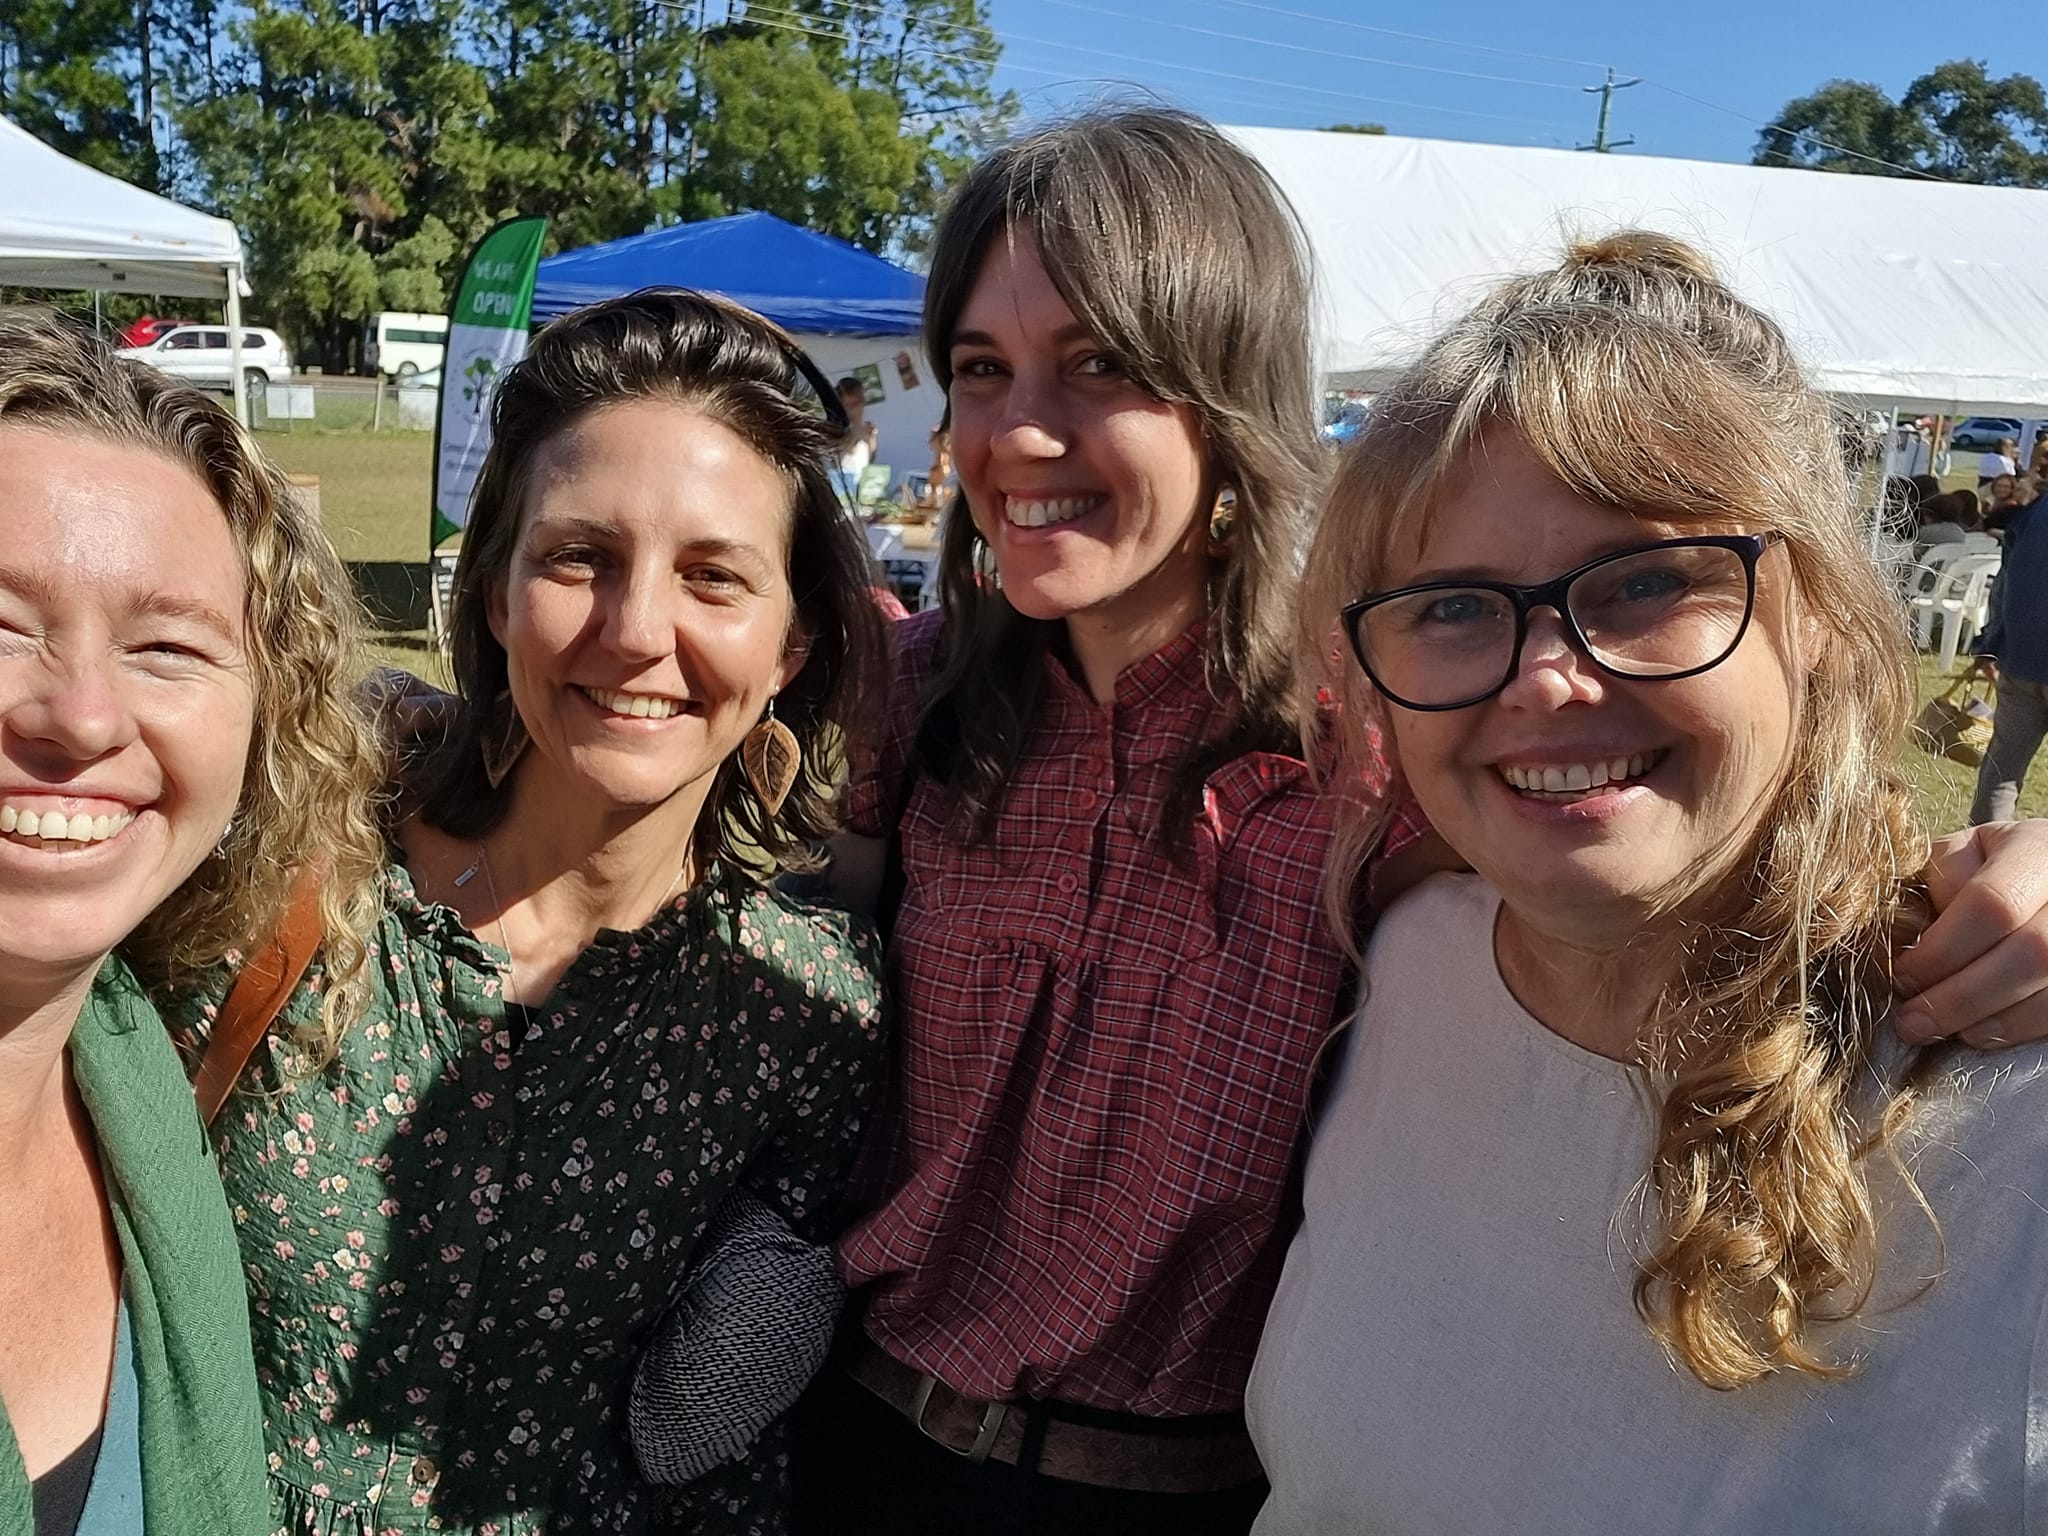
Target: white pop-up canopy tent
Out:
[1927,296]
[64,225]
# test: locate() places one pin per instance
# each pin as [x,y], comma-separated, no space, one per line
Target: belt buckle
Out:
[992,1415]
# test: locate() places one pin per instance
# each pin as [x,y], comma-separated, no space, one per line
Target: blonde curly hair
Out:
[314,760]
[1641,382]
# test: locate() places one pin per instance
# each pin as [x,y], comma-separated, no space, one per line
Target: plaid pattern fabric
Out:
[1104,1057]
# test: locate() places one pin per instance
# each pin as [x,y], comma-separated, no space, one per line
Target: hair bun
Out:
[1643,249]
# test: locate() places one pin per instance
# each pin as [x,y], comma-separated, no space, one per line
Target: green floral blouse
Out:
[459,1235]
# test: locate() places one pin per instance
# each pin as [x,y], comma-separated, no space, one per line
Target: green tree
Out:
[777,135]
[81,76]
[1356,128]
[1955,122]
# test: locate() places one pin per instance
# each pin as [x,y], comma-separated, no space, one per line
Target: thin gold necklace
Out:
[482,864]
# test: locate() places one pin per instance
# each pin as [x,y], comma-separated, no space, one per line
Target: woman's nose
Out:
[1032,423]
[1552,671]
[75,709]
[640,622]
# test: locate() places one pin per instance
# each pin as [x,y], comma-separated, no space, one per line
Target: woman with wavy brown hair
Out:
[591,1024]
[1626,1208]
[178,735]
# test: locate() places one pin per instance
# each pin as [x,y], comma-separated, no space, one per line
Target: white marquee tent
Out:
[1928,296]
[64,225]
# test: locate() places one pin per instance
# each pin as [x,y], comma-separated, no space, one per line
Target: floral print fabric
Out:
[459,1233]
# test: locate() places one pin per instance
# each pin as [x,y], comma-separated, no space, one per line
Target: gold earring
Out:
[770,758]
[1222,516]
[504,738]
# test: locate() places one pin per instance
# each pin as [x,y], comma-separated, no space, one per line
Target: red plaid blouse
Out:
[1104,1057]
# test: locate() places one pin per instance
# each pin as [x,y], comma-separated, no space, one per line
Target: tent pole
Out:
[241,392]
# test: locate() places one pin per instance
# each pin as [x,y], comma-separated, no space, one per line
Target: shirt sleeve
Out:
[805,1167]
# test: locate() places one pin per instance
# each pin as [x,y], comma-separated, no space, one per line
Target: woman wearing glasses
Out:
[1626,1209]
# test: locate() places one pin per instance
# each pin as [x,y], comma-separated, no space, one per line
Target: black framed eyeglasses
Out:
[1672,609]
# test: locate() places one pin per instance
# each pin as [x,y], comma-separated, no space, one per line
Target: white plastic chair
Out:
[1920,579]
[1959,609]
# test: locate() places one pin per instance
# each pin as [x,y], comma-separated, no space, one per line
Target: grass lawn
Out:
[373,486]
[1944,787]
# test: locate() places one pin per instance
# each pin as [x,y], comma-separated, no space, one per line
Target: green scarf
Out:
[202,1426]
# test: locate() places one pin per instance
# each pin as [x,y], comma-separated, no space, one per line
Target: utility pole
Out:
[1601,143]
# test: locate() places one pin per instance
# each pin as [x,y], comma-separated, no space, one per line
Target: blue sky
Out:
[1712,72]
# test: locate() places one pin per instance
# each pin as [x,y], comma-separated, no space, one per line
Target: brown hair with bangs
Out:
[1176,249]
[745,373]
[1641,382]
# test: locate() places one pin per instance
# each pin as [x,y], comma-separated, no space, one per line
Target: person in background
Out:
[2037,457]
[2000,492]
[1948,518]
[1627,1208]
[932,492]
[858,442]
[178,732]
[2013,653]
[2000,461]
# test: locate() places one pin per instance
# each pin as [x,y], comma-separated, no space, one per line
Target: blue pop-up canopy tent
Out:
[801,280]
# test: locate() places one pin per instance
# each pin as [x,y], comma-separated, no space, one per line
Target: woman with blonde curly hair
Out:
[177,736]
[1626,1209]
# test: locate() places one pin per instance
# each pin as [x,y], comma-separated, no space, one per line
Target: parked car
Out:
[200,355]
[140,333]
[399,345]
[1983,432]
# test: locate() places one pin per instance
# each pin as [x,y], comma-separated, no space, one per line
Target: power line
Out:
[1269,42]
[1796,133]
[1323,20]
[1290,86]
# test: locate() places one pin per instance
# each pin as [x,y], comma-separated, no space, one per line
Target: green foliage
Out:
[1356,128]
[1955,122]
[363,146]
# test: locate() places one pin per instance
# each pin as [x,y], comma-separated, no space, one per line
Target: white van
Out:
[400,345]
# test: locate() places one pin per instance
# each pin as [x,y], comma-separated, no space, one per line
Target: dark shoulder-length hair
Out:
[1178,251]
[745,373]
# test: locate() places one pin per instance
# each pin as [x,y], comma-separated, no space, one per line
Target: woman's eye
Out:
[976,368]
[1102,365]
[715,576]
[169,652]
[1455,608]
[570,558]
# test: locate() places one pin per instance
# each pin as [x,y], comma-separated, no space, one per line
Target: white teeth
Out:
[642,706]
[56,827]
[1572,778]
[1037,514]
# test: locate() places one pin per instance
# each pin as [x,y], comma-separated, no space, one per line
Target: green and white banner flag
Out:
[486,335]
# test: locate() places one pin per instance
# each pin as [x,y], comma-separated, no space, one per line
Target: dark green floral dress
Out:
[459,1235]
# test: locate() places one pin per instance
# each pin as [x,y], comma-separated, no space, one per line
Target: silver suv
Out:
[200,355]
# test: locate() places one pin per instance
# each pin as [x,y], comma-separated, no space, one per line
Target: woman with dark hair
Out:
[178,732]
[591,1023]
[1093,825]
